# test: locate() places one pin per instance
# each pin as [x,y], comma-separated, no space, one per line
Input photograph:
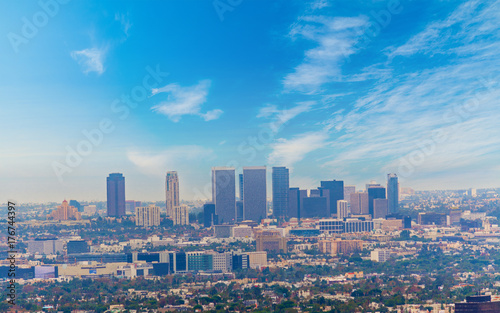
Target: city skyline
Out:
[250,156]
[353,91]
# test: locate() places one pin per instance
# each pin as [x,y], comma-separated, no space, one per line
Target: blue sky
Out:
[346,90]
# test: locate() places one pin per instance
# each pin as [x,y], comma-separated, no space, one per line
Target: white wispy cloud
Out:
[124,22]
[155,163]
[460,27]
[280,117]
[91,60]
[290,151]
[335,39]
[185,101]
[319,4]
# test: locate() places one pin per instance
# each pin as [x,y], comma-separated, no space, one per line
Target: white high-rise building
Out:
[181,215]
[147,216]
[343,210]
[171,192]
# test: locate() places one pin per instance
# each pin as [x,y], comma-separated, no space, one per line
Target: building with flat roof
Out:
[478,304]
[281,185]
[224,194]
[271,240]
[181,215]
[336,192]
[254,193]
[115,186]
[147,216]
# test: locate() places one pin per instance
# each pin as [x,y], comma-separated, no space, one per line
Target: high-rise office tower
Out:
[254,193]
[224,194]
[281,185]
[374,192]
[147,216]
[171,192]
[359,203]
[240,185]
[348,190]
[392,193]
[115,185]
[295,202]
[342,209]
[336,188]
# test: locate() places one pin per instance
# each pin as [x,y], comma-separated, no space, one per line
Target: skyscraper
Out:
[224,194]
[281,185]
[374,192]
[336,188]
[392,193]
[254,193]
[172,192]
[116,194]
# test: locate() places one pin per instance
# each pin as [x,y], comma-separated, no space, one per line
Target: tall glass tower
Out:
[254,193]
[393,193]
[281,186]
[224,194]
[115,185]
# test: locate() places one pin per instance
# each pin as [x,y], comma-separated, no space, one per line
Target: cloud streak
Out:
[91,60]
[155,163]
[183,101]
[335,38]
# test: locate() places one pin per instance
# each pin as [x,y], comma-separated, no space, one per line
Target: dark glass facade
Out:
[374,192]
[393,193]
[209,217]
[116,195]
[336,192]
[254,193]
[281,185]
[224,194]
